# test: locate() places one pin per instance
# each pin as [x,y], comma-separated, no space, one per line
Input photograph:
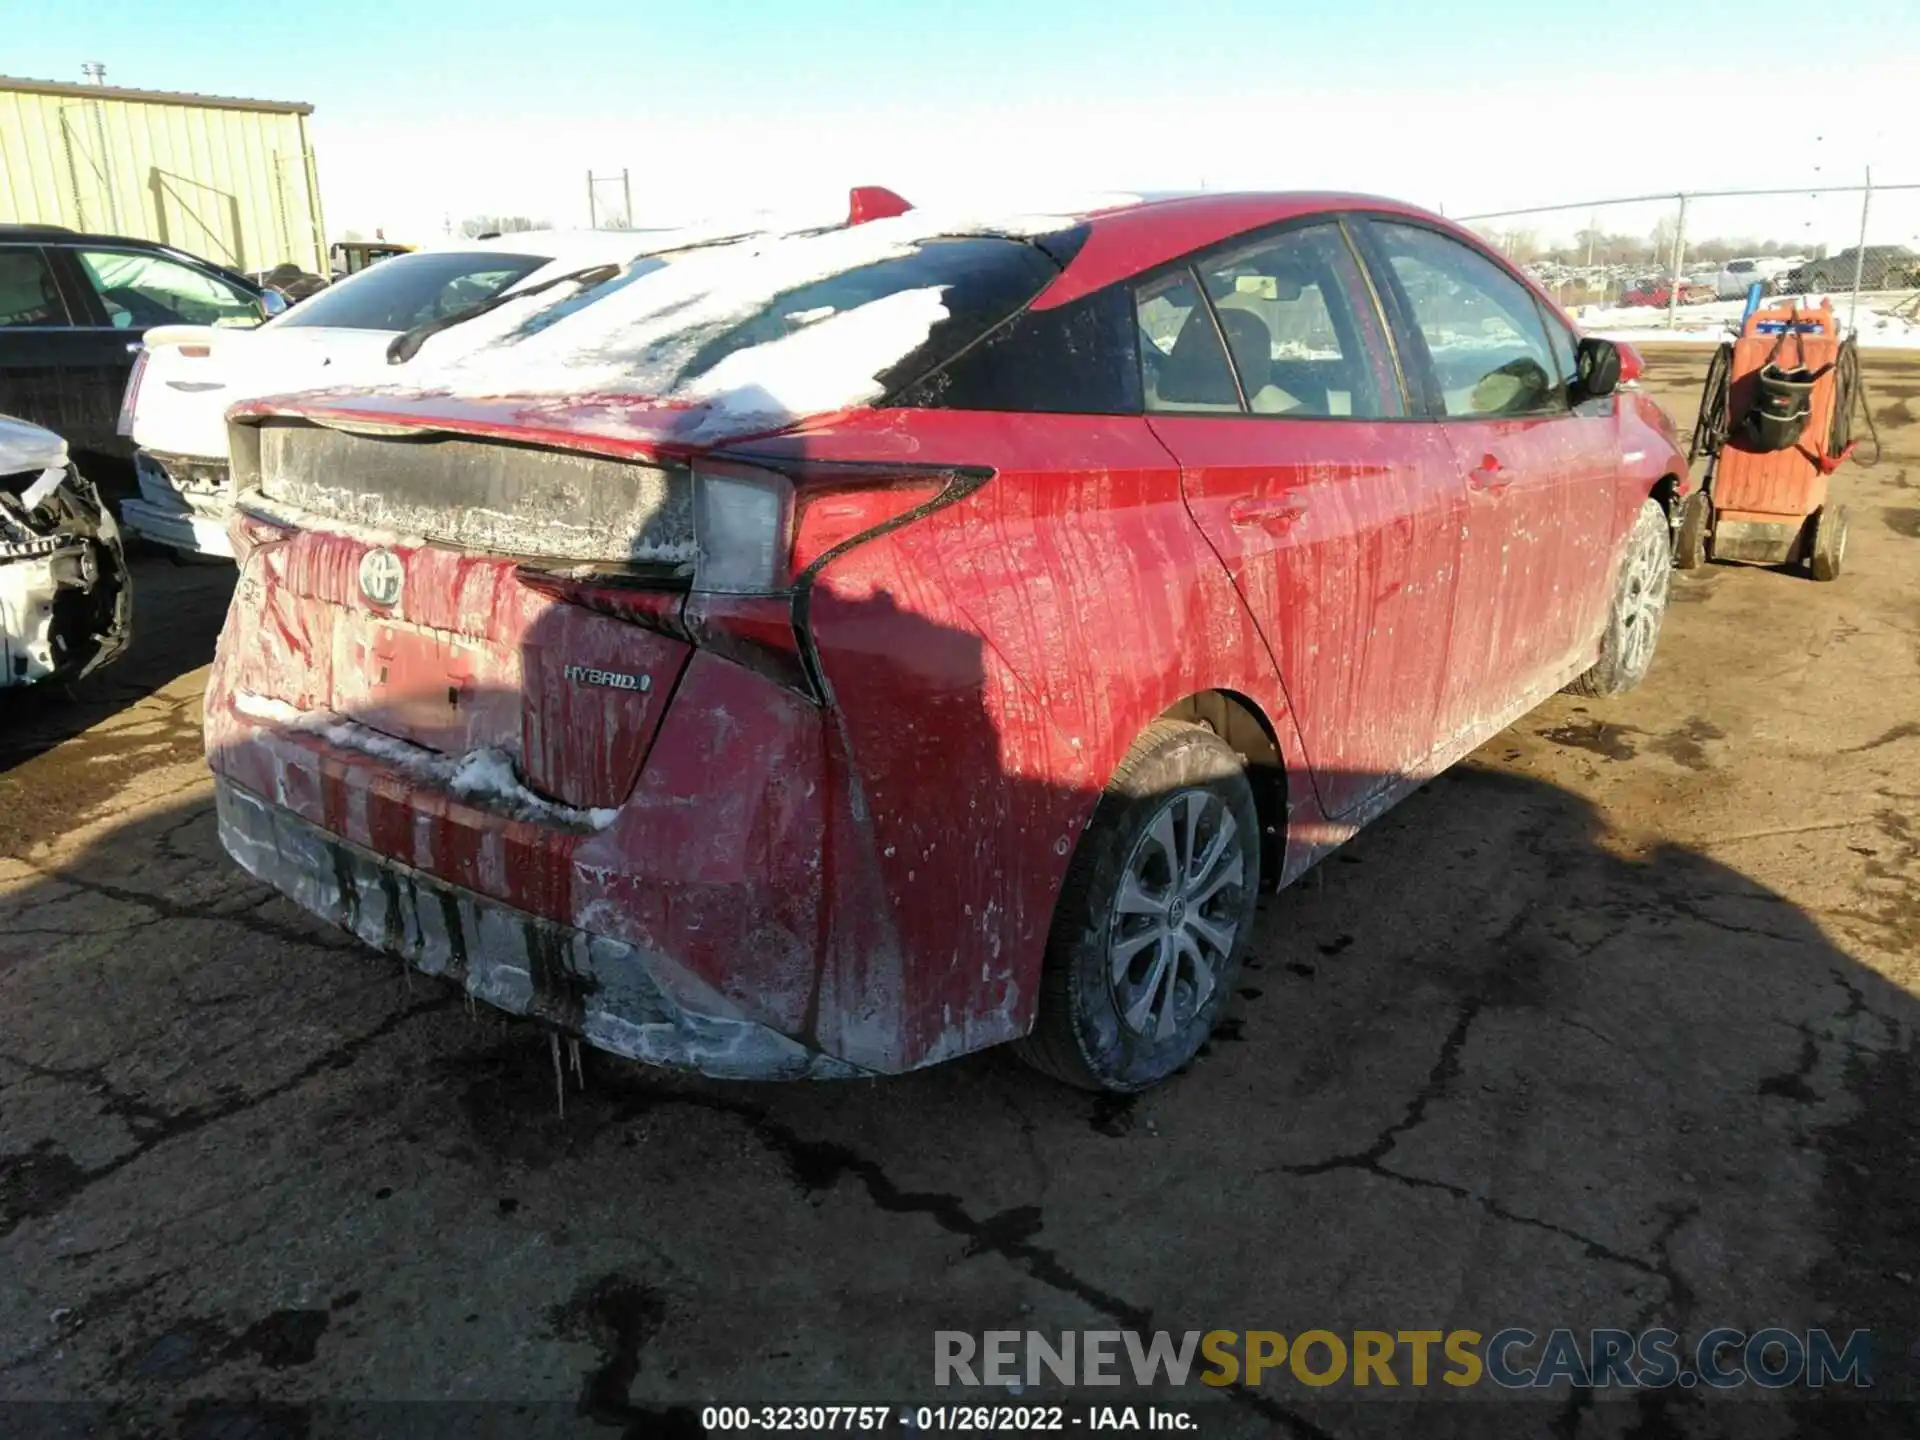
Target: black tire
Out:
[1690,540]
[1829,551]
[1638,606]
[1083,1034]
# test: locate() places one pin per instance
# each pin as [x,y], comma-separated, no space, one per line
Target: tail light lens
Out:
[742,522]
[761,531]
[1632,366]
[124,424]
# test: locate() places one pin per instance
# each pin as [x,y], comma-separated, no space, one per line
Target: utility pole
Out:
[96,74]
[1679,258]
[1860,250]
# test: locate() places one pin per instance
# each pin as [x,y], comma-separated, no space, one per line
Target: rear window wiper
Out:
[406,345]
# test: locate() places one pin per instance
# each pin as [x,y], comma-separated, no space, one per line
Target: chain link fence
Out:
[1683,264]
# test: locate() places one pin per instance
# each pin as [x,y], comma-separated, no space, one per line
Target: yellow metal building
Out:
[231,180]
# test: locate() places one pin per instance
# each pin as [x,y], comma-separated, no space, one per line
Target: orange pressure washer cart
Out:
[1775,423]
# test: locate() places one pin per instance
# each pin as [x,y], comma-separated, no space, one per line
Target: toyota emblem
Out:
[381,576]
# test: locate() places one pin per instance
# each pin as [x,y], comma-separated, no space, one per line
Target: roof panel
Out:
[152,97]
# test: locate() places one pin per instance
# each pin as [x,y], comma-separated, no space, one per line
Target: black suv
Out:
[72,310]
[1882,267]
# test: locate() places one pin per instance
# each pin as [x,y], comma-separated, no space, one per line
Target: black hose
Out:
[1850,390]
[1710,425]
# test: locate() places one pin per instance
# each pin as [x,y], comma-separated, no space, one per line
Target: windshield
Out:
[410,290]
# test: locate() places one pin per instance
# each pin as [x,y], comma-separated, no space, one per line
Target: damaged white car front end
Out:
[66,603]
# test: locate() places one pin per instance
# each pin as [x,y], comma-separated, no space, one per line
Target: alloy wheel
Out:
[1176,914]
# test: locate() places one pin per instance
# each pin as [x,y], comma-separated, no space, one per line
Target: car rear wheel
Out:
[1639,605]
[1153,918]
[1829,542]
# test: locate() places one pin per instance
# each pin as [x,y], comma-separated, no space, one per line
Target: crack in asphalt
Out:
[817,1165]
[1445,1067]
[150,1126]
[164,910]
[96,1307]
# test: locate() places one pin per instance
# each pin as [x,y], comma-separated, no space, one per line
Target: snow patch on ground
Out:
[487,777]
[1882,322]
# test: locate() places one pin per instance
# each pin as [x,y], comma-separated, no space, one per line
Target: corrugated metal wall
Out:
[234,184]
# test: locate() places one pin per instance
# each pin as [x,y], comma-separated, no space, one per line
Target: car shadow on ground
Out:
[1492,1065]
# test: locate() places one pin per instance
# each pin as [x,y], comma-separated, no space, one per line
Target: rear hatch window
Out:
[770,327]
[411,290]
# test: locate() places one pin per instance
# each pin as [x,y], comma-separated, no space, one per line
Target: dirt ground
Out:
[1613,1025]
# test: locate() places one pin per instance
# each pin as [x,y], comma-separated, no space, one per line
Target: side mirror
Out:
[1597,369]
[273,303]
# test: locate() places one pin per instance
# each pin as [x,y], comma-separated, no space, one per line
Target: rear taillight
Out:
[761,530]
[124,425]
[653,600]
[1632,366]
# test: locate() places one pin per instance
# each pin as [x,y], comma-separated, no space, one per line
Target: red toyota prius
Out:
[830,652]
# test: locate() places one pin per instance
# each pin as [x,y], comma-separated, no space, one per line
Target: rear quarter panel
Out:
[992,663]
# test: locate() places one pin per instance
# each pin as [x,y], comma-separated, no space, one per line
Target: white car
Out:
[66,604]
[1737,275]
[187,376]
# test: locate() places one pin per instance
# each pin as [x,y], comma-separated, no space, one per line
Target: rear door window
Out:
[1072,359]
[1301,342]
[411,290]
[1485,342]
[28,294]
[1183,366]
[140,289]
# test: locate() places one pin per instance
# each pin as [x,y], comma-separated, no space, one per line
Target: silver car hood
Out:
[26,447]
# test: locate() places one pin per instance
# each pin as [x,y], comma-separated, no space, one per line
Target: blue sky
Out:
[428,108]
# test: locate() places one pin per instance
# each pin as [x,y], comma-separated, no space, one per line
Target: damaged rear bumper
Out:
[184,503]
[602,988]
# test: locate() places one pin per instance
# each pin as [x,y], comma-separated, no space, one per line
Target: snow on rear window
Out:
[770,326]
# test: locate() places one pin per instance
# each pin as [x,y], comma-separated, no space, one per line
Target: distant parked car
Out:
[1881,267]
[1658,290]
[73,309]
[850,648]
[65,603]
[293,283]
[350,257]
[189,375]
[1734,277]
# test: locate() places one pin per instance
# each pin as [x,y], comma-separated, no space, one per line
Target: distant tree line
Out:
[475,226]
[1600,247]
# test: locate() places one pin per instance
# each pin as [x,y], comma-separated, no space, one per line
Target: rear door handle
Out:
[1490,475]
[1276,515]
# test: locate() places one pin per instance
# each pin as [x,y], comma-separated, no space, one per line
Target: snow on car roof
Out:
[635,334]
